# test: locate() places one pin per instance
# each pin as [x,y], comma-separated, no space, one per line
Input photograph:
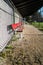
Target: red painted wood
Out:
[18,26]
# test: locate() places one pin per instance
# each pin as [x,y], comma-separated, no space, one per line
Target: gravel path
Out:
[29,29]
[28,50]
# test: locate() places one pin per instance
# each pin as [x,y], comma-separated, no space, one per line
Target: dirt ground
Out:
[28,50]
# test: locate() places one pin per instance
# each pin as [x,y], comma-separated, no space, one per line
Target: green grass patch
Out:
[9,47]
[2,54]
[38,25]
[14,38]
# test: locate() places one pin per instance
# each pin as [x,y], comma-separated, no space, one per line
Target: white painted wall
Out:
[16,18]
[5,20]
